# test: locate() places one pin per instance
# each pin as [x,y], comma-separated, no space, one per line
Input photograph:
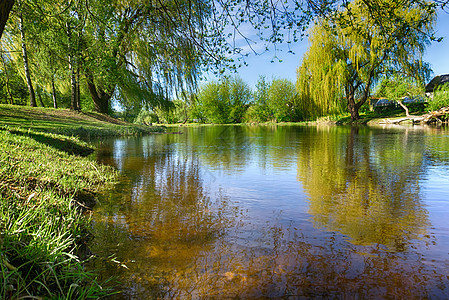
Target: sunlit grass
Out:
[67,122]
[45,185]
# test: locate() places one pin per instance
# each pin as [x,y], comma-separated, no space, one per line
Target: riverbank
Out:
[368,118]
[47,187]
[71,123]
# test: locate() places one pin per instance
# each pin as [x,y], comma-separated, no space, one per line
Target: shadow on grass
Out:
[104,118]
[67,146]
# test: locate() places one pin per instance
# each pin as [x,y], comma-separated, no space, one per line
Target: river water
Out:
[285,212]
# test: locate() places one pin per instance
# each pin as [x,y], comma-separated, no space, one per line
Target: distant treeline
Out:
[231,100]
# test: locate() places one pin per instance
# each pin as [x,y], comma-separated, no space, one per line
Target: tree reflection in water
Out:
[170,230]
[366,187]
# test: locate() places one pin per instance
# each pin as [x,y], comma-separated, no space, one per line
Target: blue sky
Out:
[437,55]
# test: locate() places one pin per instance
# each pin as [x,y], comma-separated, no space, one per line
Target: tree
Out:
[282,100]
[139,44]
[13,89]
[25,63]
[222,102]
[398,89]
[259,110]
[350,51]
[31,35]
[5,8]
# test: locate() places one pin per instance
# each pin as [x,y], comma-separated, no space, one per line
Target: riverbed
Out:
[286,212]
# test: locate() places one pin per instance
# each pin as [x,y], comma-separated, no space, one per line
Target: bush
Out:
[283,100]
[259,110]
[440,98]
[222,102]
[146,117]
[171,114]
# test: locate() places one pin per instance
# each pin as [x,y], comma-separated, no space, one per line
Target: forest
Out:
[143,61]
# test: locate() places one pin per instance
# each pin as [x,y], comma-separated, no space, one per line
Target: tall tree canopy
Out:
[350,52]
[133,50]
[128,48]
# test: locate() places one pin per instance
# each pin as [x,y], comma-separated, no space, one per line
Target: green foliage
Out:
[259,110]
[145,117]
[11,84]
[177,112]
[274,101]
[440,98]
[282,101]
[350,50]
[399,88]
[222,102]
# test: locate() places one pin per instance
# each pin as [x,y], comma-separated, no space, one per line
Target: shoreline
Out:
[48,186]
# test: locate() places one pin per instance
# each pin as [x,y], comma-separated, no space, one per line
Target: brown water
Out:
[277,212]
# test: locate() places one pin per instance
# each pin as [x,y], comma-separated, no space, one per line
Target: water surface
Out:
[277,212]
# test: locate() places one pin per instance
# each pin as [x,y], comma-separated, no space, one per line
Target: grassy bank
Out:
[47,185]
[67,122]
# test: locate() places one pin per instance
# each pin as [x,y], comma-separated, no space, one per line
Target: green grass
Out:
[67,122]
[440,98]
[373,117]
[45,185]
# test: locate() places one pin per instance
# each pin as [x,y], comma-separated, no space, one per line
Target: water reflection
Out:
[159,214]
[283,212]
[365,184]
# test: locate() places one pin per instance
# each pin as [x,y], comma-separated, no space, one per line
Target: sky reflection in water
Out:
[290,212]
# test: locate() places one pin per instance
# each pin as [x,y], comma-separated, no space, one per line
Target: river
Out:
[286,212]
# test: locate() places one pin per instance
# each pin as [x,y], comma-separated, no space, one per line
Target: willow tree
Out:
[350,51]
[133,45]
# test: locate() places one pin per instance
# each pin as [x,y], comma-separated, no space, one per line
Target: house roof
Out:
[436,81]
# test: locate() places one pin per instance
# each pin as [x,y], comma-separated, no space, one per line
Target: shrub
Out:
[440,98]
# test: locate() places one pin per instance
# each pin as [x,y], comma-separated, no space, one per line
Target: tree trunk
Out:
[100,97]
[73,94]
[5,8]
[8,88]
[39,96]
[404,107]
[25,64]
[53,88]
[354,113]
[77,88]
[78,63]
[353,107]
[72,67]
